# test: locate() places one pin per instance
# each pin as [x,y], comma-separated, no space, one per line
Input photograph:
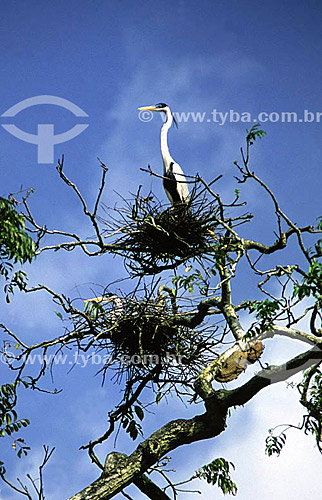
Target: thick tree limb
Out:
[143,483]
[291,333]
[272,375]
[119,473]
[150,489]
[193,320]
[281,241]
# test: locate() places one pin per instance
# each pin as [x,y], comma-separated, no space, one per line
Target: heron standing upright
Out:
[174,181]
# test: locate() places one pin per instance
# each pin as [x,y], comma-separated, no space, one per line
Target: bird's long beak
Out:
[148,108]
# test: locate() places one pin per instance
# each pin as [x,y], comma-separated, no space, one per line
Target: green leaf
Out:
[254,133]
[319,224]
[132,430]
[140,413]
[217,472]
[158,398]
[274,444]
[8,418]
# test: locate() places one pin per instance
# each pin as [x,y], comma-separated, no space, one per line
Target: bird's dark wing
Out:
[170,185]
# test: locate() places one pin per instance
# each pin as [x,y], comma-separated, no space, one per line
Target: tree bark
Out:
[120,472]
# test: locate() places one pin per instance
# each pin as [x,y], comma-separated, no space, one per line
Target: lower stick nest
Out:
[143,331]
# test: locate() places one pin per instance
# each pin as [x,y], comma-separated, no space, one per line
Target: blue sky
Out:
[110,57]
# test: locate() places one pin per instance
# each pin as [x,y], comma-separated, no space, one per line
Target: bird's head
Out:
[161,107]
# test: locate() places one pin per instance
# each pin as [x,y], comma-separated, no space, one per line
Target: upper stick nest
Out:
[154,238]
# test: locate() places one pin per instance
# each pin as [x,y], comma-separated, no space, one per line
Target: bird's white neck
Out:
[167,158]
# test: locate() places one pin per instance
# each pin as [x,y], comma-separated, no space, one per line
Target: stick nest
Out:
[155,238]
[147,328]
